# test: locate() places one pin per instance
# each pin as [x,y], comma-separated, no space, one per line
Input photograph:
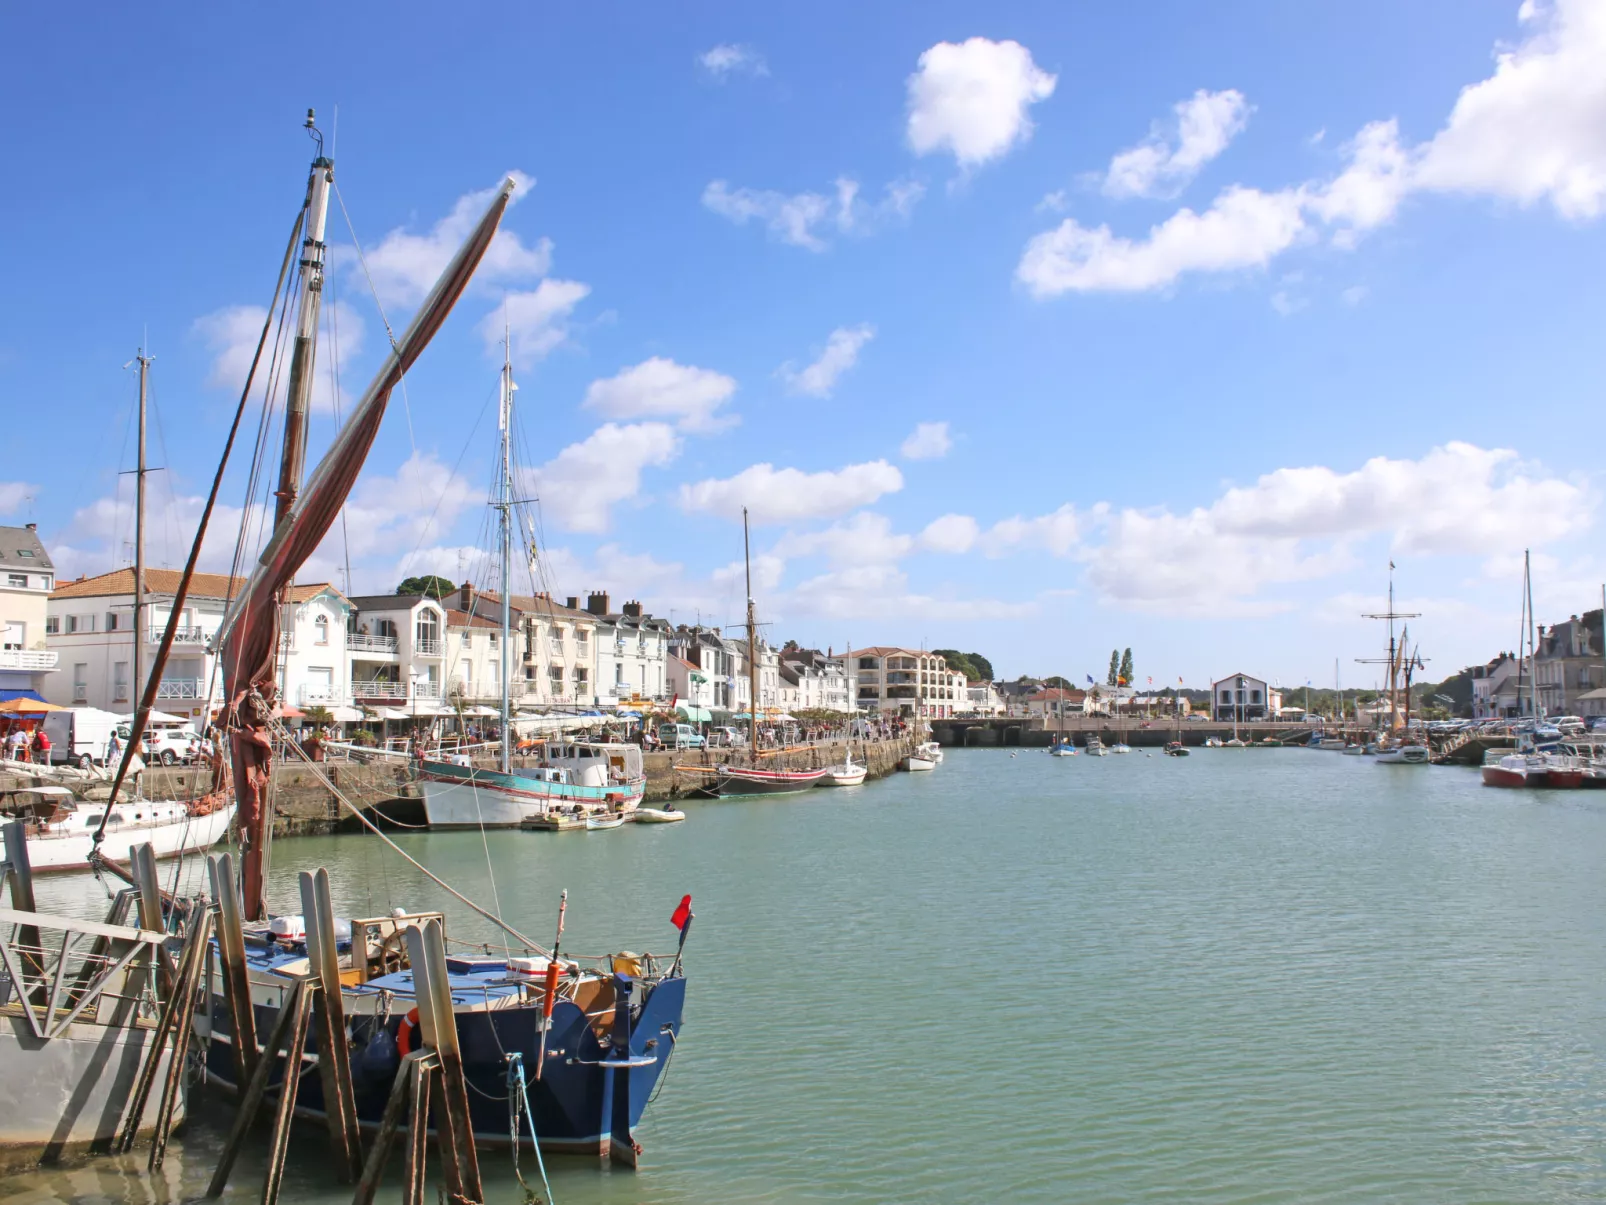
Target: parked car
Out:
[680,736]
[724,737]
[170,746]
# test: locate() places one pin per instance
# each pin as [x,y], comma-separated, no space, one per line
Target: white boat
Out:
[1404,755]
[930,750]
[1120,747]
[1354,750]
[1234,743]
[915,763]
[657,815]
[1213,742]
[61,829]
[1333,744]
[846,775]
[1064,750]
[1095,747]
[594,823]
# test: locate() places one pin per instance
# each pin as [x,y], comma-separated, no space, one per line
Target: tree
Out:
[1057,682]
[983,667]
[1125,676]
[430,586]
[957,661]
[1115,667]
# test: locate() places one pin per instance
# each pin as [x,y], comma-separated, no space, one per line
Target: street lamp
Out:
[413,677]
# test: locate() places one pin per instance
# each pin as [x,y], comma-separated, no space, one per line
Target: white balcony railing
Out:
[362,642]
[317,695]
[181,688]
[27,659]
[182,636]
[378,690]
[425,646]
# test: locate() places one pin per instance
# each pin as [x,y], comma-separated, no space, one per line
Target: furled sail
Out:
[250,636]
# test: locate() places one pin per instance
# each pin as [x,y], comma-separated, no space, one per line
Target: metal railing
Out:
[182,636]
[27,659]
[321,694]
[181,688]
[378,688]
[427,646]
[364,643]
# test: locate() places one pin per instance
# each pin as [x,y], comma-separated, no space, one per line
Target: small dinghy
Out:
[593,823]
[658,815]
[846,775]
[1120,747]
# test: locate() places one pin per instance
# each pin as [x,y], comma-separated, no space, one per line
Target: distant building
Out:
[1054,703]
[1241,698]
[26,579]
[1494,688]
[632,653]
[983,699]
[907,682]
[1567,664]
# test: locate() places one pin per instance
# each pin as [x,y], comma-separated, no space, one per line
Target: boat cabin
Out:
[596,764]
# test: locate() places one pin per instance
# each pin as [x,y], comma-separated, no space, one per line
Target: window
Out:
[52,625]
[72,623]
[385,627]
[428,626]
[111,621]
[17,579]
[468,639]
[320,630]
[493,639]
[12,636]
[25,553]
[580,679]
[80,681]
[1254,696]
[555,673]
[496,672]
[120,681]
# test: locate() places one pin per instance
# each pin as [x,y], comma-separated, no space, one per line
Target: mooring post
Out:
[231,952]
[413,1183]
[284,1113]
[183,1002]
[401,1093]
[142,862]
[16,837]
[426,950]
[257,1087]
[334,1055]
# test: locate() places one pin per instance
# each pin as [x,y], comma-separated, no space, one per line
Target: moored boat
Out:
[597,823]
[1175,749]
[1120,747]
[1404,755]
[728,781]
[61,829]
[848,774]
[1515,770]
[1095,747]
[667,815]
[916,763]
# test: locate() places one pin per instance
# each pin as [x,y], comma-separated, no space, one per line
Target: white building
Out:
[26,579]
[983,699]
[1242,698]
[718,660]
[90,625]
[632,653]
[397,650]
[909,682]
[690,686]
[557,650]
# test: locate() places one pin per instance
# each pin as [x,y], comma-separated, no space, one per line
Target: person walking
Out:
[41,746]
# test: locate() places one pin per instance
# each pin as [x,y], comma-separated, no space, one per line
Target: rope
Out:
[515,1076]
[414,862]
[389,334]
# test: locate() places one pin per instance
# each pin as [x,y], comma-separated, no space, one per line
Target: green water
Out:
[1241,976]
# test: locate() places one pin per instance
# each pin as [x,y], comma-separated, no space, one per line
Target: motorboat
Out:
[1212,742]
[916,763]
[848,774]
[1516,770]
[596,823]
[657,815]
[1333,744]
[1061,750]
[1404,755]
[1234,743]
[1120,747]
[61,828]
[930,750]
[1095,747]
[1175,749]
[1353,750]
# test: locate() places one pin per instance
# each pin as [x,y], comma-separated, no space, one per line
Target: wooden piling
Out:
[236,986]
[16,836]
[413,1178]
[251,1096]
[401,1094]
[334,1055]
[426,950]
[183,1003]
[284,1112]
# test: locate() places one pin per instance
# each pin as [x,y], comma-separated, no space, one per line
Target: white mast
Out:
[505,505]
[139,533]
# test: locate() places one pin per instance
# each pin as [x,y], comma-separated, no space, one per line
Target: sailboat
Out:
[1062,747]
[1398,747]
[614,1021]
[466,796]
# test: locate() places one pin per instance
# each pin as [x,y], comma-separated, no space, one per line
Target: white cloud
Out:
[928,441]
[1164,163]
[661,388]
[1056,532]
[580,486]
[881,592]
[865,539]
[787,495]
[1536,129]
[840,354]
[13,494]
[1286,303]
[950,533]
[231,335]
[804,219]
[404,265]
[389,514]
[729,58]
[1533,131]
[538,319]
[1244,228]
[971,99]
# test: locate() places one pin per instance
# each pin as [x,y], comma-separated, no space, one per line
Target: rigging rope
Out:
[389,334]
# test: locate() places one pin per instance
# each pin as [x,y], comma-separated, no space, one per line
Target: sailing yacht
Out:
[582,781]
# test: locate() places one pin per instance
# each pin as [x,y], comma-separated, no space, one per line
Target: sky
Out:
[1032,329]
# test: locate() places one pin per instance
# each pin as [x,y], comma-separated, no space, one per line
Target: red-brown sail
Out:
[251,634]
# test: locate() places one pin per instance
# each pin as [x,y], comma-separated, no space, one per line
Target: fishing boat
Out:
[1175,749]
[1062,749]
[61,829]
[727,781]
[669,815]
[848,774]
[604,778]
[1515,770]
[916,763]
[1095,747]
[604,1027]
[597,823]
[1403,755]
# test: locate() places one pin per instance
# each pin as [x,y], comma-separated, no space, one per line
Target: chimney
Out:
[465,598]
[597,602]
[633,609]
[573,603]
[31,526]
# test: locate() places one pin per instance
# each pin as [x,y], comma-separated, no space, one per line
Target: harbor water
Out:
[1240,976]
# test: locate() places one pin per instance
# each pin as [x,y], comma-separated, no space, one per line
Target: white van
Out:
[80,735]
[680,736]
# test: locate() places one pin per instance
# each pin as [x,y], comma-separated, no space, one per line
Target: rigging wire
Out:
[389,334]
[334,378]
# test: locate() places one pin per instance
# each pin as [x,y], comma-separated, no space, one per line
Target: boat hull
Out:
[580,1106]
[1500,776]
[67,1098]
[1410,755]
[917,765]
[844,778]
[726,784]
[198,834]
[458,797]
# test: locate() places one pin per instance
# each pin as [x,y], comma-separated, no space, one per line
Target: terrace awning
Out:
[693,714]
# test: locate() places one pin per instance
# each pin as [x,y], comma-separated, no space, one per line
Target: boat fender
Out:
[407,1033]
[380,1057]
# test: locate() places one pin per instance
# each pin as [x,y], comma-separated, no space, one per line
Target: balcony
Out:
[181,688]
[427,646]
[378,689]
[188,636]
[362,642]
[27,659]
[320,696]
[555,648]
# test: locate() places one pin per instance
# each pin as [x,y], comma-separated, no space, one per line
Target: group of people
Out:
[21,745]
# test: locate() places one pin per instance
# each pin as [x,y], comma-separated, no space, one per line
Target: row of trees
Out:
[1120,668]
[974,666]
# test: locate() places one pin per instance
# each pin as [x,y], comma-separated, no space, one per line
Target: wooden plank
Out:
[401,1091]
[295,1050]
[413,1182]
[236,985]
[255,1089]
[334,1055]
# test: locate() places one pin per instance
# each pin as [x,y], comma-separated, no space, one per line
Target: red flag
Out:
[682,915]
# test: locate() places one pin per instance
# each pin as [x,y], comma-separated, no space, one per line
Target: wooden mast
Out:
[138,688]
[752,645]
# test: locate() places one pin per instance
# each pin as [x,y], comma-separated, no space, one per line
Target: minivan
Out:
[680,736]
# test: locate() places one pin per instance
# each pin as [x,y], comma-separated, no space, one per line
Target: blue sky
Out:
[1033,329]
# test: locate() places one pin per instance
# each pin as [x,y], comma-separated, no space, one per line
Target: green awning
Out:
[694,715]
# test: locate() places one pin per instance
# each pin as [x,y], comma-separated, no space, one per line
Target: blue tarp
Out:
[7,695]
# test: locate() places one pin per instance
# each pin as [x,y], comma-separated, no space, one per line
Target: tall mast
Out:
[505,493]
[752,644]
[304,356]
[1392,660]
[139,530]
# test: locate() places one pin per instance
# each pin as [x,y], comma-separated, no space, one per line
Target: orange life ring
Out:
[404,1032]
